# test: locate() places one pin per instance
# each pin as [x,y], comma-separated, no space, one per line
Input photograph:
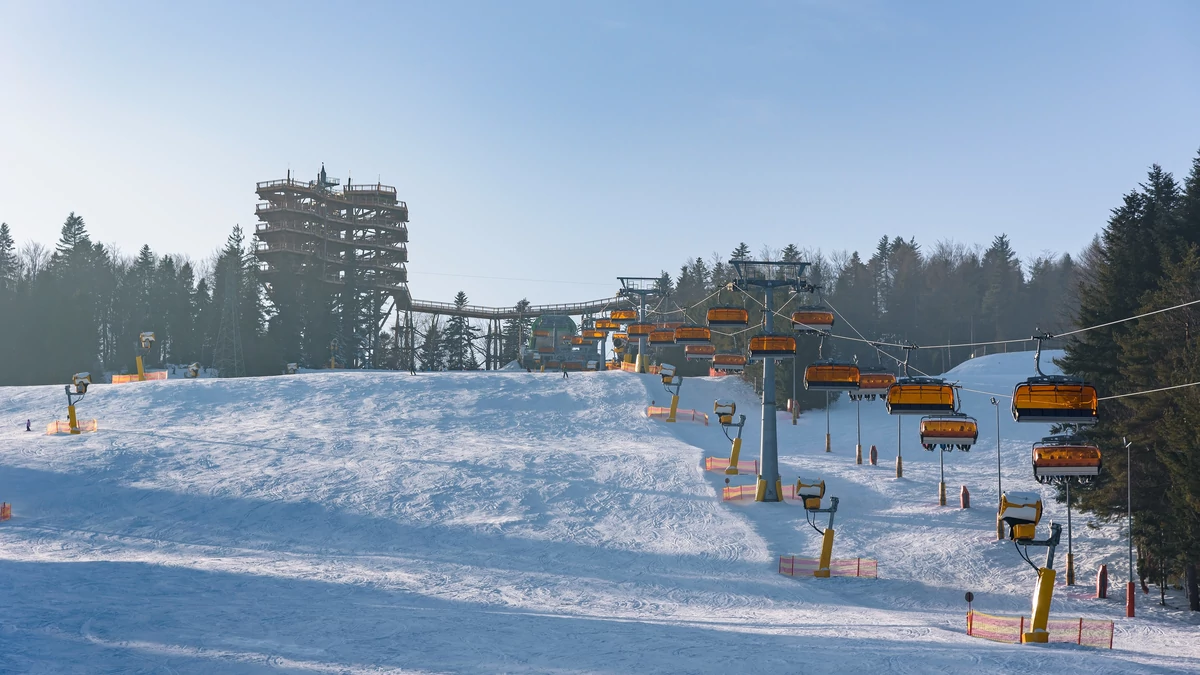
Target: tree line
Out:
[1146,259]
[81,306]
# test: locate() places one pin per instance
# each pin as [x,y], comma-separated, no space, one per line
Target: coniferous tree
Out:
[458,338]
[515,333]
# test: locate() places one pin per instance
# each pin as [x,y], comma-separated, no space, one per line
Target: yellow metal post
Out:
[674,407]
[1070,569]
[826,554]
[899,467]
[999,527]
[141,369]
[941,494]
[732,469]
[1042,594]
[72,420]
[640,364]
[761,490]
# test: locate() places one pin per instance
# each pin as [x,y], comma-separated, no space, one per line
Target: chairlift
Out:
[812,320]
[693,335]
[623,315]
[728,316]
[958,432]
[873,381]
[729,362]
[641,329]
[699,352]
[660,337]
[831,375]
[921,396]
[1064,457]
[772,347]
[1053,399]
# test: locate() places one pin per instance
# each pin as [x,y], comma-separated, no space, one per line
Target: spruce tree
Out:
[458,338]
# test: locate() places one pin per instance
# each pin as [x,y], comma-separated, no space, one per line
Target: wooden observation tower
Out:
[350,240]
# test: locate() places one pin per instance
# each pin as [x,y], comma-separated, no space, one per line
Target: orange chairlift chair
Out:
[812,320]
[1065,456]
[958,432]
[873,381]
[693,335]
[639,329]
[700,352]
[730,362]
[920,395]
[1053,399]
[831,375]
[772,347]
[661,337]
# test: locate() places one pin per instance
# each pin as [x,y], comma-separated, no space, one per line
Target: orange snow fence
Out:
[5,511]
[749,466]
[681,415]
[60,427]
[794,566]
[153,375]
[731,493]
[1087,632]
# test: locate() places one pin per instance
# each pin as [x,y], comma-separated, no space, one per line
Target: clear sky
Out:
[574,142]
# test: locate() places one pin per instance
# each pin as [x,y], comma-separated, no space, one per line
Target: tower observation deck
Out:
[347,243]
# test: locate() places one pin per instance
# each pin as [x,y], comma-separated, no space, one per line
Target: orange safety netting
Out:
[1087,632]
[60,427]
[731,493]
[628,367]
[152,375]
[682,414]
[794,566]
[749,466]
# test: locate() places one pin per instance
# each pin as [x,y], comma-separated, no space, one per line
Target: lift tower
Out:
[769,276]
[640,288]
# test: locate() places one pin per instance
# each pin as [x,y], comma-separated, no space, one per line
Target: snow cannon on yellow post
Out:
[1022,511]
[81,381]
[193,371]
[811,490]
[146,341]
[725,410]
[672,382]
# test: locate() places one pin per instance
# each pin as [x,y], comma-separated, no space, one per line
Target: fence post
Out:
[970,628]
[1079,640]
[858,568]
[1021,630]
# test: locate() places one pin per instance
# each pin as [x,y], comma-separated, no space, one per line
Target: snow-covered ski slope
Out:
[509,522]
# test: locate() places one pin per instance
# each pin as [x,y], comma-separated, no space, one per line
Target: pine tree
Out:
[790,254]
[458,339]
[742,252]
[9,272]
[515,333]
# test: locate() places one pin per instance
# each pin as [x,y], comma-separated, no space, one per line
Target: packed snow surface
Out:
[513,522]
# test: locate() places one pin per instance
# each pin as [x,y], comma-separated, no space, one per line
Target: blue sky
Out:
[572,142]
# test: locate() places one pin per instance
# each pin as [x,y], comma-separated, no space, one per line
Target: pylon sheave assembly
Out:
[80,382]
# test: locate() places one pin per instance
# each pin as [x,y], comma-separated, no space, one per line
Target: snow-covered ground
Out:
[510,522]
